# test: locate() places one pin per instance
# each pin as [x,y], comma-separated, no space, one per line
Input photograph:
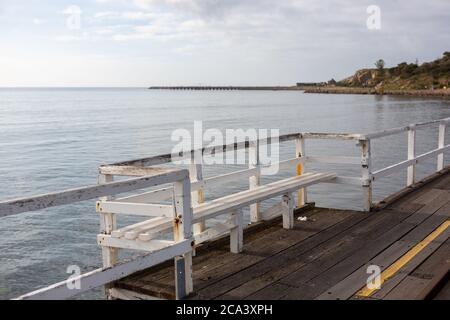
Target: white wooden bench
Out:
[144,235]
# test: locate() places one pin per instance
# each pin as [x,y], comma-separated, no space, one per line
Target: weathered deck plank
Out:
[349,244]
[324,258]
[421,282]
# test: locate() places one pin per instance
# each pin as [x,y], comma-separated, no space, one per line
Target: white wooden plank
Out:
[141,226]
[136,209]
[148,246]
[134,234]
[392,169]
[404,164]
[151,232]
[331,136]
[100,277]
[333,160]
[150,196]
[17,206]
[432,153]
[389,132]
[134,171]
[385,133]
[154,233]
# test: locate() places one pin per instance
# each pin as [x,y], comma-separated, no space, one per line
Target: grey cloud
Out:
[293,39]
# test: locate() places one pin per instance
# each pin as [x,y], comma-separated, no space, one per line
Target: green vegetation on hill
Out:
[405,76]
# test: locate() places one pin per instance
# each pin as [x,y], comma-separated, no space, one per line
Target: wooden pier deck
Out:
[325,257]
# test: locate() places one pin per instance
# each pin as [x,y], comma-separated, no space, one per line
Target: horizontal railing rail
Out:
[393,131]
[45,201]
[169,157]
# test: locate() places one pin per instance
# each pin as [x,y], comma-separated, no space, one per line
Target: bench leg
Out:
[183,276]
[237,233]
[288,211]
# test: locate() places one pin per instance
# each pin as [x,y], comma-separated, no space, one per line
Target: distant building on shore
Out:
[332,82]
[311,84]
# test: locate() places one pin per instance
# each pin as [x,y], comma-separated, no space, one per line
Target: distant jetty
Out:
[262,88]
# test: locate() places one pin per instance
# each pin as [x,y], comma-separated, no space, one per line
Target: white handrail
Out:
[34,203]
[406,163]
[393,131]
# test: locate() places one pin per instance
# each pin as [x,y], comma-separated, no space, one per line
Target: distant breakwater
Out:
[218,88]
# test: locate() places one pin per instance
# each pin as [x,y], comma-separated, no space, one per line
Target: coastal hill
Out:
[412,76]
[429,78]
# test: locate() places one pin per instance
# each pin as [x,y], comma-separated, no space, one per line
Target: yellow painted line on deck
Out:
[400,263]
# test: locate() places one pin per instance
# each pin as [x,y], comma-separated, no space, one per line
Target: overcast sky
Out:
[218,42]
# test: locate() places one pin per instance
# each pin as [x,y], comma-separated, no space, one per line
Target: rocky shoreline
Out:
[373,91]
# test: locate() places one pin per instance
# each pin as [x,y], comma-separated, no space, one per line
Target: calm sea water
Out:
[52,139]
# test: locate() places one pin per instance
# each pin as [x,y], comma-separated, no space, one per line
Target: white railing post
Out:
[441,144]
[108,223]
[183,231]
[198,197]
[254,181]
[301,169]
[411,176]
[366,174]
